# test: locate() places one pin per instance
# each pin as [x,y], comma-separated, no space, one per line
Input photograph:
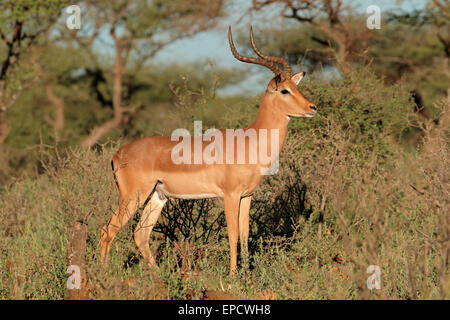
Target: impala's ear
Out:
[298,77]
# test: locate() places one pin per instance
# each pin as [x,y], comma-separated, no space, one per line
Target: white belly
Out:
[162,191]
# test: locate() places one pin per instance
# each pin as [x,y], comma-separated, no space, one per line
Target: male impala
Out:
[145,170]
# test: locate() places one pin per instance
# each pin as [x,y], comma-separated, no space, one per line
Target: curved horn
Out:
[286,65]
[259,61]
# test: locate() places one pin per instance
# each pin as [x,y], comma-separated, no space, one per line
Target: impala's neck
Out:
[269,118]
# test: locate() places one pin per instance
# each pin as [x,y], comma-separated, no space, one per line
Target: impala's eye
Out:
[284,91]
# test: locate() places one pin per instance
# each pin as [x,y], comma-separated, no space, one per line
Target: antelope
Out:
[146,174]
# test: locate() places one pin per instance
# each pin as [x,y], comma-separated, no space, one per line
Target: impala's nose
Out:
[313,111]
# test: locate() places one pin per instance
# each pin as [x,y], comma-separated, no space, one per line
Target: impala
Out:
[146,174]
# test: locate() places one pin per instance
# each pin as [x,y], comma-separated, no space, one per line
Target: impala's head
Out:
[282,91]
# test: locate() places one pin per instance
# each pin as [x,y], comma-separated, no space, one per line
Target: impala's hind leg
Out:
[145,226]
[134,190]
[126,210]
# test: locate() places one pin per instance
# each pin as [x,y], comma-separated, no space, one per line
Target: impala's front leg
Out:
[244,213]
[232,217]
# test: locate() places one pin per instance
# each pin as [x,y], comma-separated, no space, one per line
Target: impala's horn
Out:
[261,61]
[287,72]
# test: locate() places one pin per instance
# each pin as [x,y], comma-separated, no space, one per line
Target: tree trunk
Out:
[76,254]
[99,131]
[58,122]
[340,39]
[8,63]
[5,128]
[341,60]
[4,124]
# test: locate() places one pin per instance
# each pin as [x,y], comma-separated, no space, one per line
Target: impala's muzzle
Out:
[312,113]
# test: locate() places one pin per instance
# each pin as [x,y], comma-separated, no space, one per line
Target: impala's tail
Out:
[114,172]
[115,166]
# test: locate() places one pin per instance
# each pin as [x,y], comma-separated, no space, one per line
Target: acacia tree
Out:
[22,23]
[133,28]
[333,26]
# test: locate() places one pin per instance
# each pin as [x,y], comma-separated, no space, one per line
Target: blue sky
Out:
[213,45]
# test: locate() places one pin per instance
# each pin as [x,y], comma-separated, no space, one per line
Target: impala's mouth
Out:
[304,115]
[310,114]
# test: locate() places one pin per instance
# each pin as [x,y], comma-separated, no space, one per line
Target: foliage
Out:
[315,226]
